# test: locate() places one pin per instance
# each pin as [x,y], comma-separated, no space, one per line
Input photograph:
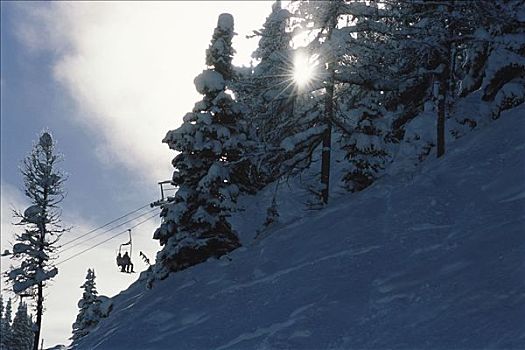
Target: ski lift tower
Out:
[164,187]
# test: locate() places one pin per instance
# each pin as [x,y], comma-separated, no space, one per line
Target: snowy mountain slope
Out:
[432,261]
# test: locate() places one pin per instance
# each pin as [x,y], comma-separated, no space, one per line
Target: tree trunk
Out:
[328,117]
[40,291]
[39,311]
[327,137]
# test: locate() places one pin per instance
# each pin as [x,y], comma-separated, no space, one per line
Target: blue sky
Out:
[108,79]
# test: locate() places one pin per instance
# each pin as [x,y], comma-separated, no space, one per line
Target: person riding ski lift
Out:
[127,265]
[120,262]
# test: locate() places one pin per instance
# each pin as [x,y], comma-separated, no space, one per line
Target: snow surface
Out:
[432,260]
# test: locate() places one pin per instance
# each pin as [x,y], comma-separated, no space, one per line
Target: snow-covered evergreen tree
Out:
[272,87]
[267,95]
[451,50]
[364,82]
[22,329]
[319,19]
[430,38]
[208,169]
[6,332]
[219,54]
[35,246]
[495,55]
[389,60]
[91,308]
[351,48]
[366,149]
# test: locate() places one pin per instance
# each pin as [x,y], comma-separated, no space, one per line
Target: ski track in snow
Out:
[514,198]
[428,226]
[281,273]
[267,331]
[259,332]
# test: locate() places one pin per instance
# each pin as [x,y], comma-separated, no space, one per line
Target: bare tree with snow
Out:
[35,247]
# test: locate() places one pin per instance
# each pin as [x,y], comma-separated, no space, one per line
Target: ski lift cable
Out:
[106,231]
[101,227]
[104,241]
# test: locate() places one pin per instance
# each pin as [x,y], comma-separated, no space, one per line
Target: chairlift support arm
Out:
[130,243]
[163,199]
[162,188]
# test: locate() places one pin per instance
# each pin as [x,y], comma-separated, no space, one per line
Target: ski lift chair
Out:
[126,248]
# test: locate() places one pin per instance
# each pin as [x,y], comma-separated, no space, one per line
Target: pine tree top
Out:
[219,54]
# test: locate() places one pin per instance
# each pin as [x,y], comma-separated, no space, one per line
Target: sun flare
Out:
[303,70]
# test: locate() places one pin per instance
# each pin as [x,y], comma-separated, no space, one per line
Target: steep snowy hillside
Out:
[433,260]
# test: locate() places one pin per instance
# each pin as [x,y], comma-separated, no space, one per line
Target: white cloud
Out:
[130,67]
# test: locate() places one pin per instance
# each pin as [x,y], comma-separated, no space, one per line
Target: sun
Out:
[300,75]
[303,69]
